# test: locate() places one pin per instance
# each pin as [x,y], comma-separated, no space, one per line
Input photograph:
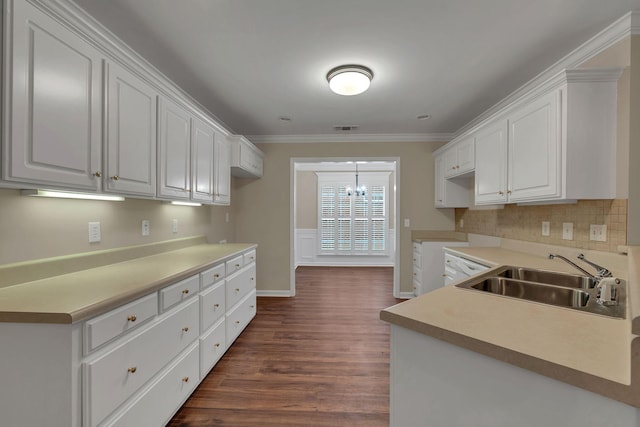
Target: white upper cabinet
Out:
[222,170]
[449,193]
[246,158]
[131,134]
[491,164]
[550,147]
[460,158]
[202,161]
[53,104]
[174,166]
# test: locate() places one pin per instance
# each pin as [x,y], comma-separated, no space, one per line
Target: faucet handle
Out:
[608,291]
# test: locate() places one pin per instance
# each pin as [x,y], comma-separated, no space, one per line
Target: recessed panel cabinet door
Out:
[222,172]
[491,164]
[54,105]
[131,147]
[174,168]
[203,137]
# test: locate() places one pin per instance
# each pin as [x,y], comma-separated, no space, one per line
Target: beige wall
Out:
[33,228]
[262,207]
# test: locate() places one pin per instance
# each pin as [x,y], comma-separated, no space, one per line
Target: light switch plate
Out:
[174,225]
[567,231]
[598,232]
[546,228]
[94,232]
[407,222]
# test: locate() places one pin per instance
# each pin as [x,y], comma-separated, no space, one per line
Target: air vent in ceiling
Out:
[345,128]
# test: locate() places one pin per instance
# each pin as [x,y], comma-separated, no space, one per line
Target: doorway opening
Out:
[336,221]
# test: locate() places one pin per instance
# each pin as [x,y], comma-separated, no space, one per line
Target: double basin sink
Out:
[567,290]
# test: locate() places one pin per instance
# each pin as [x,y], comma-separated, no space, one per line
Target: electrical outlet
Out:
[546,228]
[567,231]
[461,222]
[598,233]
[146,227]
[174,225]
[94,232]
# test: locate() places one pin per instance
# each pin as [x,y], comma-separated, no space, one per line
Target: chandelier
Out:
[360,190]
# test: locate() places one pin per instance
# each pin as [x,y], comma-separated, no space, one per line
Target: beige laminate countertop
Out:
[77,296]
[594,352]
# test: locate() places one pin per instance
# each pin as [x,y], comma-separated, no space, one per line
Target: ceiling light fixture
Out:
[71,195]
[349,79]
[360,190]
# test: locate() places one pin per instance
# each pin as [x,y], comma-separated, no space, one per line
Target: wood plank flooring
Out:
[318,359]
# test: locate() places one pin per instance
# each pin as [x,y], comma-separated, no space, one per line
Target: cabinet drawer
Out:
[417,288]
[212,275]
[249,257]
[239,284]
[165,395]
[417,247]
[212,346]
[108,326]
[240,317]
[113,377]
[234,264]
[417,259]
[212,306]
[179,292]
[417,274]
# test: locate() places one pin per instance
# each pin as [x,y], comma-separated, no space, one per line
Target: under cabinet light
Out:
[178,203]
[70,195]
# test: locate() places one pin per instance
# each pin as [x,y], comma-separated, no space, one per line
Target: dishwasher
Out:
[457,268]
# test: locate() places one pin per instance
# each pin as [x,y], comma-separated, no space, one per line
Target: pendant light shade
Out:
[349,79]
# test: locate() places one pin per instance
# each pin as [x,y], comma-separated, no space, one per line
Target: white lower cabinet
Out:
[155,406]
[429,265]
[213,344]
[240,316]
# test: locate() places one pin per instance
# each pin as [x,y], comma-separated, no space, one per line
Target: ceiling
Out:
[251,62]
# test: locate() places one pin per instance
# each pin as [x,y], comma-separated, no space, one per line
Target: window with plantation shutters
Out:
[353,224]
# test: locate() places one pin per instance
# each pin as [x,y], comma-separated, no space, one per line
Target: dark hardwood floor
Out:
[318,359]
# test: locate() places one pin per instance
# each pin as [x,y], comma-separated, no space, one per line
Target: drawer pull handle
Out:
[444,275]
[215,276]
[237,265]
[237,322]
[132,370]
[185,291]
[217,345]
[115,177]
[185,379]
[132,318]
[185,329]
[98,174]
[237,289]
[252,306]
[216,306]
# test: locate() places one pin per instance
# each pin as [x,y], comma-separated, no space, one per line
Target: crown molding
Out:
[353,137]
[624,27]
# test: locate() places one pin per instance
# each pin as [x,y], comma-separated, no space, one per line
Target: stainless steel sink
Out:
[566,290]
[531,291]
[549,277]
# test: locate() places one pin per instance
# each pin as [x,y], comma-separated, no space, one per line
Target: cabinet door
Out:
[131,133]
[202,142]
[53,105]
[174,168]
[491,164]
[450,162]
[465,151]
[222,173]
[440,181]
[534,150]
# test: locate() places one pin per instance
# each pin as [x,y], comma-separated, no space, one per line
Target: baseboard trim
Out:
[279,294]
[405,295]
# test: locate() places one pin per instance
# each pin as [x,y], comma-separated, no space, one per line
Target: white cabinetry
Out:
[202,148]
[449,193]
[53,105]
[174,166]
[222,171]
[133,365]
[246,158]
[553,143]
[131,133]
[428,264]
[460,158]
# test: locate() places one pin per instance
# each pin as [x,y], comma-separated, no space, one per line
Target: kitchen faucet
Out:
[552,256]
[602,272]
[606,285]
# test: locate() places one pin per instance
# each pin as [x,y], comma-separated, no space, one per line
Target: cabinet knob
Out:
[237,289]
[444,275]
[185,329]
[98,174]
[115,177]
[216,306]
[252,306]
[215,276]
[217,345]
[185,291]
[508,191]
[237,322]
[185,379]
[237,265]
[132,370]
[500,193]
[132,318]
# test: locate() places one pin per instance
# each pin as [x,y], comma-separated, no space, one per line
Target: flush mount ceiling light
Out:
[349,79]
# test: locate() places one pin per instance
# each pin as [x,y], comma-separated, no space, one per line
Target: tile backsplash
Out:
[525,223]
